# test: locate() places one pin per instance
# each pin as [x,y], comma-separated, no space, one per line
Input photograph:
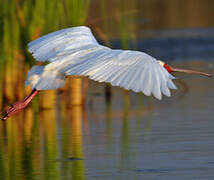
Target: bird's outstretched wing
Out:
[75,51]
[47,47]
[128,69]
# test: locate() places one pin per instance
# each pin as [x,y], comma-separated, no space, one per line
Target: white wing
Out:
[128,69]
[47,47]
[79,54]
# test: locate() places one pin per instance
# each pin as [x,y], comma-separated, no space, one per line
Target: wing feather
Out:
[164,89]
[128,69]
[144,77]
[75,51]
[156,84]
[148,83]
[46,48]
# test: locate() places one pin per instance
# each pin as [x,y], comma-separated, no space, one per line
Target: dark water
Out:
[130,137]
[171,139]
[127,136]
[175,44]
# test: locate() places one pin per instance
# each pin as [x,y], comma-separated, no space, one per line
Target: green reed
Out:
[21,22]
[26,20]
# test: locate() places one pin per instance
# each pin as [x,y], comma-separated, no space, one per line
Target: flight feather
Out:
[75,51]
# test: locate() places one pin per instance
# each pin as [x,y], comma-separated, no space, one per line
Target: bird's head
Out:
[171,69]
[166,66]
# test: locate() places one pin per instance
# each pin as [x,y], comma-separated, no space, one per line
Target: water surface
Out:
[130,137]
[116,134]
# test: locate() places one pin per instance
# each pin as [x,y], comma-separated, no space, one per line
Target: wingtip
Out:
[159,97]
[175,87]
[3,116]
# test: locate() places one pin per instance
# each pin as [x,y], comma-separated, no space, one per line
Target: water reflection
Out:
[49,149]
[70,138]
[130,136]
[125,137]
[115,135]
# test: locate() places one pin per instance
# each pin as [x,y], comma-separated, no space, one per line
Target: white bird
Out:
[75,52]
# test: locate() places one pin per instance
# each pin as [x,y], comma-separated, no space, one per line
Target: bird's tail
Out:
[42,78]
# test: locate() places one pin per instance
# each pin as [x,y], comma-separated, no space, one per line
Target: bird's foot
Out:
[4,115]
[14,108]
[18,106]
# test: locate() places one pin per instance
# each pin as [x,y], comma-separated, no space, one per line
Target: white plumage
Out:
[75,51]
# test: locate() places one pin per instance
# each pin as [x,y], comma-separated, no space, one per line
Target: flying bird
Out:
[75,52]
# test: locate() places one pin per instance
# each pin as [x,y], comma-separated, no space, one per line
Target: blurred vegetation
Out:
[39,143]
[20,22]
[43,141]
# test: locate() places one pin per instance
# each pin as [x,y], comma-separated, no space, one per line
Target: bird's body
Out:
[75,52]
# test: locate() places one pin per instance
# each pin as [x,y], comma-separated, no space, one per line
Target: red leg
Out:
[19,106]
